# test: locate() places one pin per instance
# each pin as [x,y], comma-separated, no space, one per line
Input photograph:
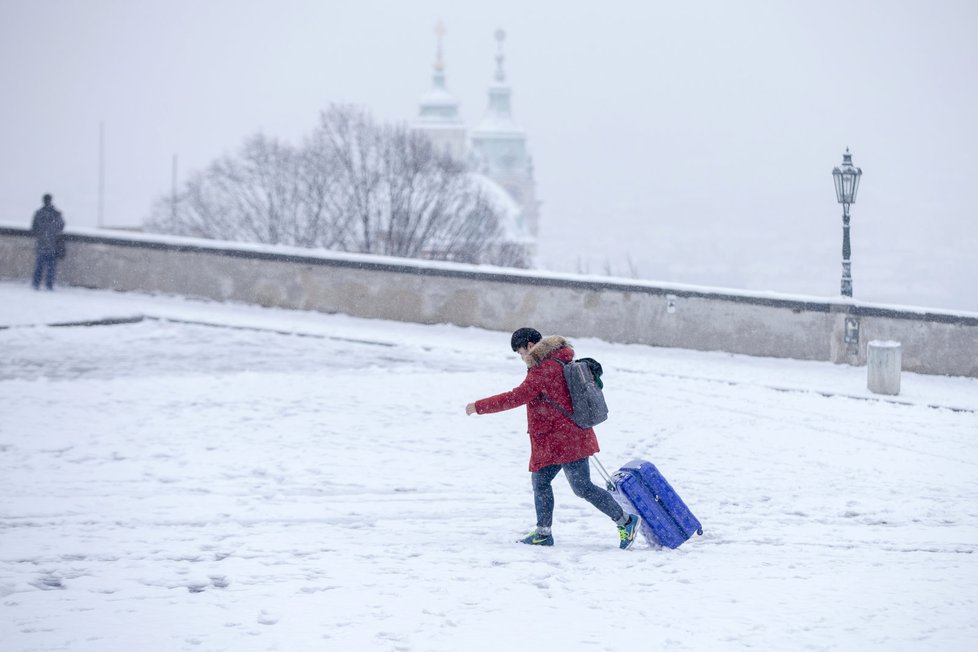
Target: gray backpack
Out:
[584,384]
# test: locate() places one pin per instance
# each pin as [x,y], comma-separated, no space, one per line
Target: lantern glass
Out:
[846,179]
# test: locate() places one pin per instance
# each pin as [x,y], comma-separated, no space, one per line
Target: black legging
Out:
[579,476]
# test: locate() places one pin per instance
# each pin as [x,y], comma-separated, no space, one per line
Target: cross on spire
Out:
[440,32]
[500,74]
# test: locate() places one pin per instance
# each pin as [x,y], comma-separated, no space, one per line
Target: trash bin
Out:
[884,360]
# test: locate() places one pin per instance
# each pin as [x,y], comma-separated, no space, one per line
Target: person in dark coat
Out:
[556,442]
[46,227]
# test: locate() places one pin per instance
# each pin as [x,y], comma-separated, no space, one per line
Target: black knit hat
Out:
[524,336]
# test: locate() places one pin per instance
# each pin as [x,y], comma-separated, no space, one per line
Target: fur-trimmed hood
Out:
[544,348]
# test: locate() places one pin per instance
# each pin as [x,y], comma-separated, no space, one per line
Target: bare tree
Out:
[355,185]
[433,209]
[403,197]
[259,195]
[347,141]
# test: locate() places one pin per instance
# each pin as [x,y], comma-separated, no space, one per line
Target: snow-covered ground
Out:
[208,476]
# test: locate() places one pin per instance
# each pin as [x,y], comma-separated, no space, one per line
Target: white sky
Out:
[696,138]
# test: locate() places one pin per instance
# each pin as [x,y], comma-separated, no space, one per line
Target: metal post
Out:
[173,195]
[846,253]
[846,178]
[101,172]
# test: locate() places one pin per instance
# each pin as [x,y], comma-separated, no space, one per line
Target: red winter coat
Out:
[554,438]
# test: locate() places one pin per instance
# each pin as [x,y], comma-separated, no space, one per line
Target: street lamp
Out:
[846,179]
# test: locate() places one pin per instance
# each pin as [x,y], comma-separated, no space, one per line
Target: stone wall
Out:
[617,310]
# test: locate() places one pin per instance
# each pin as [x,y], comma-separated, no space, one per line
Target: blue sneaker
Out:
[628,531]
[536,539]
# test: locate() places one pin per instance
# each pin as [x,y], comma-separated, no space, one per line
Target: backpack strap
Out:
[553,402]
[562,410]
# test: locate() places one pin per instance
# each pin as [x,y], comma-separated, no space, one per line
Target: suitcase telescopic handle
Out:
[603,472]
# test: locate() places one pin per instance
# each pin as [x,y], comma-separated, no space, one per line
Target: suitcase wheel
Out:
[699,531]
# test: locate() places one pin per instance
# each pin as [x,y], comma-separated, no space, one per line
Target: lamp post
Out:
[846,179]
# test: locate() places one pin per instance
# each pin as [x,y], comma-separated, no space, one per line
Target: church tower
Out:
[499,149]
[438,115]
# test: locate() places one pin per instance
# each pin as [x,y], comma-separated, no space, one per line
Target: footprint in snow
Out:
[48,583]
[265,618]
[219,581]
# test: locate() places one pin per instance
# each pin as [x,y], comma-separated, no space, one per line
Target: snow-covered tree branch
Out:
[353,185]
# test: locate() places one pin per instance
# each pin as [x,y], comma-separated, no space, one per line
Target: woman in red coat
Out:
[556,442]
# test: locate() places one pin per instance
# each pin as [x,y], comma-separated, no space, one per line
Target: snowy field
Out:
[207,476]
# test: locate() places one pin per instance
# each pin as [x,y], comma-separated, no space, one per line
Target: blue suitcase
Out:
[665,518]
